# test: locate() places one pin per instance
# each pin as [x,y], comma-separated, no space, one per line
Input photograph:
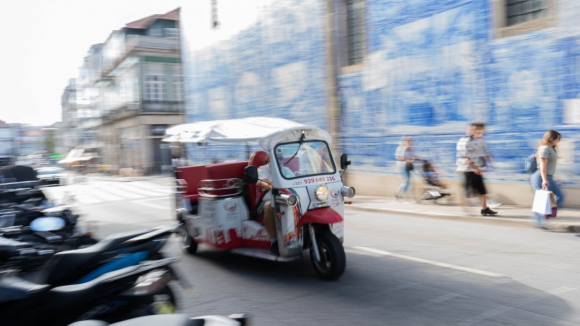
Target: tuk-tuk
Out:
[219,203]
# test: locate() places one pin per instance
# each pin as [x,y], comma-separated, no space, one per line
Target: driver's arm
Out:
[265,184]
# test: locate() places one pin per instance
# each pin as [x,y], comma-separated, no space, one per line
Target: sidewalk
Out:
[568,219]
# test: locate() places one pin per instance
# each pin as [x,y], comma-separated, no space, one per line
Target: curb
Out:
[573,227]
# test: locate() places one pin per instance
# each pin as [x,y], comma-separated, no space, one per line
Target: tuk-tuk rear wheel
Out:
[332,257]
[187,242]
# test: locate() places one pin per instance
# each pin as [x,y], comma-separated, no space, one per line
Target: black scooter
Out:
[123,276]
[49,231]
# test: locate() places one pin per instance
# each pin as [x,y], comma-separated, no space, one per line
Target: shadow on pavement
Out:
[373,291]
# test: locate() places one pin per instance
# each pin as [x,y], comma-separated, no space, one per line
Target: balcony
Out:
[145,108]
[139,42]
[150,42]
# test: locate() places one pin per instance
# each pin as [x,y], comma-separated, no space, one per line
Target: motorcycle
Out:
[122,276]
[219,203]
[26,215]
[175,320]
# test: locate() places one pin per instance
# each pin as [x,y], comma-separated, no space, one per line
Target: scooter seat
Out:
[171,319]
[68,266]
[13,288]
[69,296]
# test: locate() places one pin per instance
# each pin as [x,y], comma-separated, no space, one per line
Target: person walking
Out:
[543,178]
[478,159]
[463,166]
[405,158]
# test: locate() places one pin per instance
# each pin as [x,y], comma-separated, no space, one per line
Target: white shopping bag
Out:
[542,202]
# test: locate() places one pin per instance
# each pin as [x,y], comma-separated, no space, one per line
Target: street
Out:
[401,270]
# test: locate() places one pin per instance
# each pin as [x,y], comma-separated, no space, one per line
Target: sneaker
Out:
[487,211]
[274,248]
[491,203]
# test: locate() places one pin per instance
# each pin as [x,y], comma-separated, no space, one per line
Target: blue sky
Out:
[44,42]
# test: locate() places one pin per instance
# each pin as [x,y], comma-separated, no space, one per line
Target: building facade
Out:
[373,71]
[129,90]
[9,135]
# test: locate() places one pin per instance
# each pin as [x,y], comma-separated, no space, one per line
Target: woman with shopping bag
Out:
[548,192]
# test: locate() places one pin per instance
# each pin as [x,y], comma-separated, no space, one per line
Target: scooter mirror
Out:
[344,162]
[251,174]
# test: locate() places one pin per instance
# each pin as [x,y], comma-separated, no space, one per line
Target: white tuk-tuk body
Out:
[307,182]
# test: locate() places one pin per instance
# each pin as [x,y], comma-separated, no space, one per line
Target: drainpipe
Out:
[334,106]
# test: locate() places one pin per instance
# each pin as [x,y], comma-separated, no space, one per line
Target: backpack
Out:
[530,164]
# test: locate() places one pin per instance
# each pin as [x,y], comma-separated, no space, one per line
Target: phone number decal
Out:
[314,180]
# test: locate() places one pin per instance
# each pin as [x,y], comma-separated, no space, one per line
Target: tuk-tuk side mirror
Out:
[250,174]
[344,162]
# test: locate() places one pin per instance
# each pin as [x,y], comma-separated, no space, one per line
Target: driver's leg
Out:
[270,224]
[269,220]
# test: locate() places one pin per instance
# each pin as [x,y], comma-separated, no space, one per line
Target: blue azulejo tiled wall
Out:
[266,58]
[433,66]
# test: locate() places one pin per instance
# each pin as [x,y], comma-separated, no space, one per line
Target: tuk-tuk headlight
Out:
[348,191]
[288,200]
[292,200]
[321,193]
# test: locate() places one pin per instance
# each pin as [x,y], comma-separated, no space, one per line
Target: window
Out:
[516,17]
[177,88]
[155,87]
[310,158]
[155,32]
[520,11]
[172,32]
[355,28]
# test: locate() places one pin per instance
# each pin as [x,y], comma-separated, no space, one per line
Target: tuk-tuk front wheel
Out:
[187,242]
[332,257]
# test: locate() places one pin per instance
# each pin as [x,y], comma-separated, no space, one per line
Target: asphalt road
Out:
[401,270]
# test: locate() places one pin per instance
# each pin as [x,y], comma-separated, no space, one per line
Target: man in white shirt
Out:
[463,164]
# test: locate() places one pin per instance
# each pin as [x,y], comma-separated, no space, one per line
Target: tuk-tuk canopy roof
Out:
[266,131]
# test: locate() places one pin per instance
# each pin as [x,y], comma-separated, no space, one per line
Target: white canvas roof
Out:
[266,131]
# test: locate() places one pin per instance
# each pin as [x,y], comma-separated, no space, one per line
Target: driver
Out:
[265,208]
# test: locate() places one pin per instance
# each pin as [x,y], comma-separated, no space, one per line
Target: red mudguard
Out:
[325,215]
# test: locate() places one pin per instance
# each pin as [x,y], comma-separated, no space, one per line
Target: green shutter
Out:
[161,59]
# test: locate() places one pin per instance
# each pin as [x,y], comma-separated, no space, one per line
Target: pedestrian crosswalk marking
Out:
[136,189]
[97,193]
[122,193]
[145,203]
[101,194]
[155,187]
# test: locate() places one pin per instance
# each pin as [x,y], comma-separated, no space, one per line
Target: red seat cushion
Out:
[226,170]
[192,175]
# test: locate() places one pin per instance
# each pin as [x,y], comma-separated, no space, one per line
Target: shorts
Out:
[474,181]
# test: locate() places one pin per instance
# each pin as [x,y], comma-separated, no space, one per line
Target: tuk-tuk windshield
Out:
[312,158]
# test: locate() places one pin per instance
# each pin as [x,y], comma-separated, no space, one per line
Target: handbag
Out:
[554,211]
[544,203]
[409,166]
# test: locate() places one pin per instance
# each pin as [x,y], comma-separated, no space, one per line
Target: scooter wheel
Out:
[332,257]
